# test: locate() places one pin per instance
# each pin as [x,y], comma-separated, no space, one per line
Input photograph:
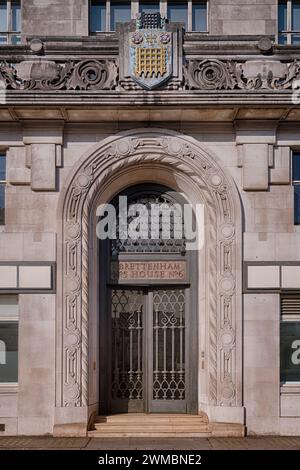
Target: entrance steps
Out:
[161,425]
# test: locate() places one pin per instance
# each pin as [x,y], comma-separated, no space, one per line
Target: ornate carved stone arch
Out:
[184,155]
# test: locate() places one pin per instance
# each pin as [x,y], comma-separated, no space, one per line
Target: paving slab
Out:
[103,444]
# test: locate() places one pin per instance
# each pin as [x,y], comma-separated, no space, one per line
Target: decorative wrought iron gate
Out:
[148,350]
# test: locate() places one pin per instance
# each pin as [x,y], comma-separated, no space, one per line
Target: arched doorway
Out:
[182,163]
[148,312]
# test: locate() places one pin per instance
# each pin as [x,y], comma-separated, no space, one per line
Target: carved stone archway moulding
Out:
[176,153]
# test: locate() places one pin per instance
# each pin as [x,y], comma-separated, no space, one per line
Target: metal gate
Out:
[149,369]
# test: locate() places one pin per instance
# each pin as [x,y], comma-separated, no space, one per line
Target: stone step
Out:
[148,434]
[152,418]
[162,425]
[151,427]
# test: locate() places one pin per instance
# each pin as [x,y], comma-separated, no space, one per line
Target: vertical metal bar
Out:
[173,347]
[149,351]
[138,341]
[181,342]
[156,338]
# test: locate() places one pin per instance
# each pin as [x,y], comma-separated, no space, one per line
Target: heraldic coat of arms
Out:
[150,51]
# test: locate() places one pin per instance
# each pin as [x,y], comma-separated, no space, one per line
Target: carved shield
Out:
[150,56]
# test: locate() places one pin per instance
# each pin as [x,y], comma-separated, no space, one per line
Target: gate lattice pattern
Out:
[169,345]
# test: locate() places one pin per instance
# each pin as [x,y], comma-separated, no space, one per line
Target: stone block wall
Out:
[235,17]
[55,18]
[226,17]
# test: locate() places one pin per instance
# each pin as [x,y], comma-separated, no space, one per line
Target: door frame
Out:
[192,317]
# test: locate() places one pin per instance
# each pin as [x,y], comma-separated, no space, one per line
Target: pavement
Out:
[57,443]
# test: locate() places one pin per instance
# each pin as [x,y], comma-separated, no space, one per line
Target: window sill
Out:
[292,388]
[9,388]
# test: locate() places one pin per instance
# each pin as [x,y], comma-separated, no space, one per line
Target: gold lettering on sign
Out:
[148,270]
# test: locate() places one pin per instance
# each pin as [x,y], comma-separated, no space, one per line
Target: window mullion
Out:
[9,16]
[134,8]
[107,23]
[163,8]
[289,21]
[190,15]
[9,20]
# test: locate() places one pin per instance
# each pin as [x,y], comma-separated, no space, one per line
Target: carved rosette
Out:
[180,155]
[209,74]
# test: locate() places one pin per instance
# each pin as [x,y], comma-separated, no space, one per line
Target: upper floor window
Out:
[105,14]
[193,13]
[120,12]
[296,184]
[2,188]
[10,22]
[289,22]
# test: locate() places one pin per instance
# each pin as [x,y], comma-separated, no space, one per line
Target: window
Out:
[120,13]
[290,339]
[296,184]
[192,13]
[178,12]
[8,339]
[2,188]
[199,16]
[105,14]
[97,16]
[10,22]
[289,22]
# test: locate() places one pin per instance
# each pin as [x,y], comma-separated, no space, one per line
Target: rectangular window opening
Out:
[9,337]
[10,22]
[289,22]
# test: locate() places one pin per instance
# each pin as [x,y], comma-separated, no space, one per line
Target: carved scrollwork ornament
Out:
[180,155]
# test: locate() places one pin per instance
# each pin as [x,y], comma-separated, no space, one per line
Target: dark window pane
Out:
[97,16]
[120,13]
[3,16]
[2,204]
[290,352]
[16,15]
[296,166]
[282,16]
[2,168]
[297,204]
[15,39]
[199,16]
[295,16]
[282,39]
[178,12]
[296,39]
[149,7]
[8,352]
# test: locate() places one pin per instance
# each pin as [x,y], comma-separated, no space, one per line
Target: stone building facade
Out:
[217,121]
